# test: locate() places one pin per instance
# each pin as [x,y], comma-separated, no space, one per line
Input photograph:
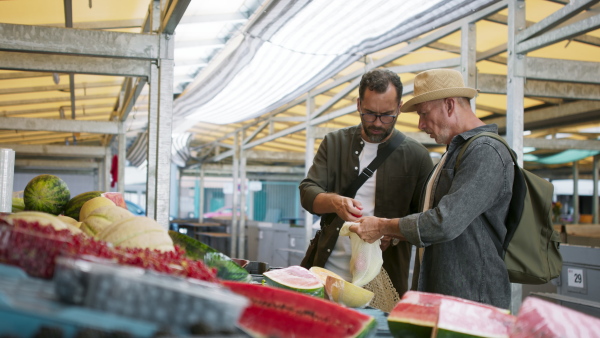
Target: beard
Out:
[376,138]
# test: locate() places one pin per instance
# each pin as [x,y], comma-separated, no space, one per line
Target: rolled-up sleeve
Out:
[316,180]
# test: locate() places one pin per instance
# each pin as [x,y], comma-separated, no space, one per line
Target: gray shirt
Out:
[460,258]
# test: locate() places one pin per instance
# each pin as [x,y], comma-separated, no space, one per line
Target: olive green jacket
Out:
[399,185]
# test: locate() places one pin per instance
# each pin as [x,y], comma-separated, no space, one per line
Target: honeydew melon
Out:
[346,293]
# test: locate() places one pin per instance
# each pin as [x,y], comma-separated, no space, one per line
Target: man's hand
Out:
[348,209]
[372,228]
[368,229]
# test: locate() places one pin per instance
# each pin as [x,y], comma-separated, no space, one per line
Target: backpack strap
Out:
[515,209]
[369,170]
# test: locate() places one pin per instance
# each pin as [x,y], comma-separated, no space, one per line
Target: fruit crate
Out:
[171,302]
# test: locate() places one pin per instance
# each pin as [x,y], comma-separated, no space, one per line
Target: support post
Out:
[122,158]
[515,105]
[201,199]
[575,192]
[152,141]
[308,160]
[242,221]
[235,203]
[468,57]
[595,168]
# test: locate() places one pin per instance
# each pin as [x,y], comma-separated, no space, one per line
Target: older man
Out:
[393,190]
[464,206]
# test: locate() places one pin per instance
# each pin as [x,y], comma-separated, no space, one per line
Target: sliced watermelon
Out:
[419,313]
[539,318]
[296,278]
[276,312]
[116,197]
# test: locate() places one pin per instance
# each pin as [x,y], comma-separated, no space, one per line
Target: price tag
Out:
[575,278]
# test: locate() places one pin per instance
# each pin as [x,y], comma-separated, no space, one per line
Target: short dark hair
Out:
[378,81]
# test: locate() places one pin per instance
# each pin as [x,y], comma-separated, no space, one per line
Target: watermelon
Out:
[296,278]
[418,314]
[74,205]
[226,268]
[46,193]
[116,197]
[539,318]
[276,312]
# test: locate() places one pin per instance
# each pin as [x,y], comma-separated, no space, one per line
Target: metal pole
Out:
[122,158]
[595,168]
[308,159]
[468,57]
[235,174]
[515,105]
[242,221]
[575,192]
[201,199]
[152,141]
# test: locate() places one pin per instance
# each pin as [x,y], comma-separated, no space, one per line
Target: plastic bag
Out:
[366,259]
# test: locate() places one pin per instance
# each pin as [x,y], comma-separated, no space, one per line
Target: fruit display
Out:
[226,268]
[42,218]
[74,205]
[92,204]
[137,232]
[34,248]
[46,193]
[103,217]
[18,204]
[276,312]
[539,318]
[421,314]
[295,278]
[144,295]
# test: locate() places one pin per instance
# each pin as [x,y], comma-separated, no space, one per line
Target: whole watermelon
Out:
[46,193]
[74,205]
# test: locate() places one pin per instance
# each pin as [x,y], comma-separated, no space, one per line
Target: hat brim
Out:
[409,106]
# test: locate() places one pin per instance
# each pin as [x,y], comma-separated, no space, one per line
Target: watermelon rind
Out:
[74,205]
[296,278]
[227,269]
[46,193]
[276,312]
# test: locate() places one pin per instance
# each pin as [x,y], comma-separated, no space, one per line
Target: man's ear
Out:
[450,105]
[358,104]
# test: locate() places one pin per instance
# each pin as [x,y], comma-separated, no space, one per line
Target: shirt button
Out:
[328,250]
[337,229]
[355,168]
[356,152]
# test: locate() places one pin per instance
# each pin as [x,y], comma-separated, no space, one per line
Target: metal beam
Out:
[561,70]
[38,39]
[173,15]
[51,110]
[73,64]
[14,123]
[63,164]
[54,100]
[54,150]
[570,10]
[278,156]
[566,110]
[559,34]
[22,75]
[561,144]
[20,90]
[496,84]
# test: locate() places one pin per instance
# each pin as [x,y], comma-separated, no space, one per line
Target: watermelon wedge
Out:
[296,278]
[116,197]
[539,318]
[276,312]
[418,314]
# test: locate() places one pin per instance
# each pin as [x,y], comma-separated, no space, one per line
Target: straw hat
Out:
[438,84]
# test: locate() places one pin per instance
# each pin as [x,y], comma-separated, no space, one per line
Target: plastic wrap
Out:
[145,295]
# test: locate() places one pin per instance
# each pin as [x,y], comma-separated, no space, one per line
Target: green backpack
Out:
[530,248]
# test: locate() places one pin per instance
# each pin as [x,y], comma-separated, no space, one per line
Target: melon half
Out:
[295,278]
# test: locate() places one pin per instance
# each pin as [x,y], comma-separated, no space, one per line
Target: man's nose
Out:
[421,124]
